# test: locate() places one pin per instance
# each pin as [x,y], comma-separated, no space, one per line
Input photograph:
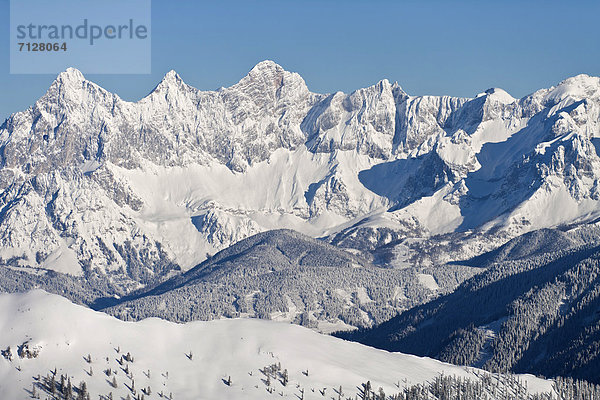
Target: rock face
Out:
[93,184]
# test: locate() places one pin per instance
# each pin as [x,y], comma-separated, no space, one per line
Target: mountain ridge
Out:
[286,276]
[93,184]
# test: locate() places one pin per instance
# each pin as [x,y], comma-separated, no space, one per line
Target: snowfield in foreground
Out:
[195,360]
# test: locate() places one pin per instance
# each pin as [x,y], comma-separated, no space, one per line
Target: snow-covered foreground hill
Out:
[192,361]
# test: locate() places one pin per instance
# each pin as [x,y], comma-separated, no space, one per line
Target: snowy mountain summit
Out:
[92,184]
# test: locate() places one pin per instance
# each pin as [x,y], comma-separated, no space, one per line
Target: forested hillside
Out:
[540,314]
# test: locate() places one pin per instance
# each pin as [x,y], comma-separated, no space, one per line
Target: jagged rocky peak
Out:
[383,84]
[270,77]
[70,80]
[67,81]
[398,92]
[170,76]
[70,86]
[174,91]
[363,120]
[382,90]
[70,75]
[267,70]
[171,80]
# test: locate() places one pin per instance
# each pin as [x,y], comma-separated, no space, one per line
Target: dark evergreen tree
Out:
[69,390]
[285,377]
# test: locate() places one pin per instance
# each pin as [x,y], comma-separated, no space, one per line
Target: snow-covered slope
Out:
[192,361]
[93,184]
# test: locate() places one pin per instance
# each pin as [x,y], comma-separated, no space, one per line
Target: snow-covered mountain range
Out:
[93,184]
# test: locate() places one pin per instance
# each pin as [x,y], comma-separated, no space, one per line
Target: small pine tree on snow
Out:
[82,390]
[8,353]
[69,390]
[52,385]
[285,377]
[114,382]
[366,395]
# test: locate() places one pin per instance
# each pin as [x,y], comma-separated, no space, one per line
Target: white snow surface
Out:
[65,334]
[428,281]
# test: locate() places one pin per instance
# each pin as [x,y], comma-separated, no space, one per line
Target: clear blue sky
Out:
[430,47]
